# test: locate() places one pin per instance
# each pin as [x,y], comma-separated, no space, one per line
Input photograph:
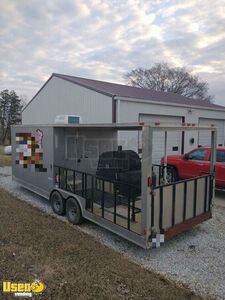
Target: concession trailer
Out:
[86,174]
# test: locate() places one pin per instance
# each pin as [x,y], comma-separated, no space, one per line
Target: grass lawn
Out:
[5,160]
[72,265]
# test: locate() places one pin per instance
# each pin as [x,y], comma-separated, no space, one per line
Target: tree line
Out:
[10,113]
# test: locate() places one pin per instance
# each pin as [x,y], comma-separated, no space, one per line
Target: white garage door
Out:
[174,137]
[204,138]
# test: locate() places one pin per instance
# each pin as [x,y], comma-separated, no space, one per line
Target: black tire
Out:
[58,203]
[172,175]
[73,211]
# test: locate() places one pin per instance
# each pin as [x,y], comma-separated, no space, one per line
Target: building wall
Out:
[130,111]
[60,97]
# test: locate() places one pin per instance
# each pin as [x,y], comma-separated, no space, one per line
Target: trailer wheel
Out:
[73,211]
[57,203]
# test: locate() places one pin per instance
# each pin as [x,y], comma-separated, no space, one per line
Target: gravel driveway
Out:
[195,258]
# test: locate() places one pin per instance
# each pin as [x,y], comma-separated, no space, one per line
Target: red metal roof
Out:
[114,89]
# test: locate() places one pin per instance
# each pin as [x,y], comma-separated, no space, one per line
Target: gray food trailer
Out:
[85,174]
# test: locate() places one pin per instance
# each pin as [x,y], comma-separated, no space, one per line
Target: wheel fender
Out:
[80,201]
[53,192]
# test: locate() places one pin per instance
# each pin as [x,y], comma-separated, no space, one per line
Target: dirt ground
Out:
[5,160]
[72,265]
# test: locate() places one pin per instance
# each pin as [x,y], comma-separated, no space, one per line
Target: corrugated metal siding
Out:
[60,97]
[129,111]
[174,139]
[205,137]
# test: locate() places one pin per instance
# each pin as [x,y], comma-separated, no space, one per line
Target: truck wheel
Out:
[57,203]
[73,211]
[172,175]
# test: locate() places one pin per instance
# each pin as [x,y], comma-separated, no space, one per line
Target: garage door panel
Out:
[174,138]
[205,137]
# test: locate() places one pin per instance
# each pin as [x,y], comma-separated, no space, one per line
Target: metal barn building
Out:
[104,102]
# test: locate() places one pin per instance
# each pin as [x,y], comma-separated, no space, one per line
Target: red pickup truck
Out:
[197,163]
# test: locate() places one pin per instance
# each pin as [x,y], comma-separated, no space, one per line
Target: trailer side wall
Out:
[32,157]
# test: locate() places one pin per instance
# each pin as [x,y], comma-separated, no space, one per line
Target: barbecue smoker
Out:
[123,167]
[83,171]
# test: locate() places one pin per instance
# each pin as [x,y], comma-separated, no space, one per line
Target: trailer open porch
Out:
[142,207]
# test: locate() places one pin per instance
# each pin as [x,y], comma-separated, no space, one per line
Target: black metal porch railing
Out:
[208,194]
[101,191]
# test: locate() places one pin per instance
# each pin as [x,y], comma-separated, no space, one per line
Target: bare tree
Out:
[162,77]
[10,113]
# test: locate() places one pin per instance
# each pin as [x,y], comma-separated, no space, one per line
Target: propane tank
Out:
[8,150]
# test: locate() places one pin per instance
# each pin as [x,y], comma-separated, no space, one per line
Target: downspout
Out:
[115,110]
[118,110]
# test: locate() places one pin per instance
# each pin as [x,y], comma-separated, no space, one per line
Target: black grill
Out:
[124,167]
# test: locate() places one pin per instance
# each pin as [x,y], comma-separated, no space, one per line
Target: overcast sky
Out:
[103,39]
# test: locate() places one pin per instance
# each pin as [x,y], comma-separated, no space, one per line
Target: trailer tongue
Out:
[114,188]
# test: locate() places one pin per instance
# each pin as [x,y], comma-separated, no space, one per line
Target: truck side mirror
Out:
[186,156]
